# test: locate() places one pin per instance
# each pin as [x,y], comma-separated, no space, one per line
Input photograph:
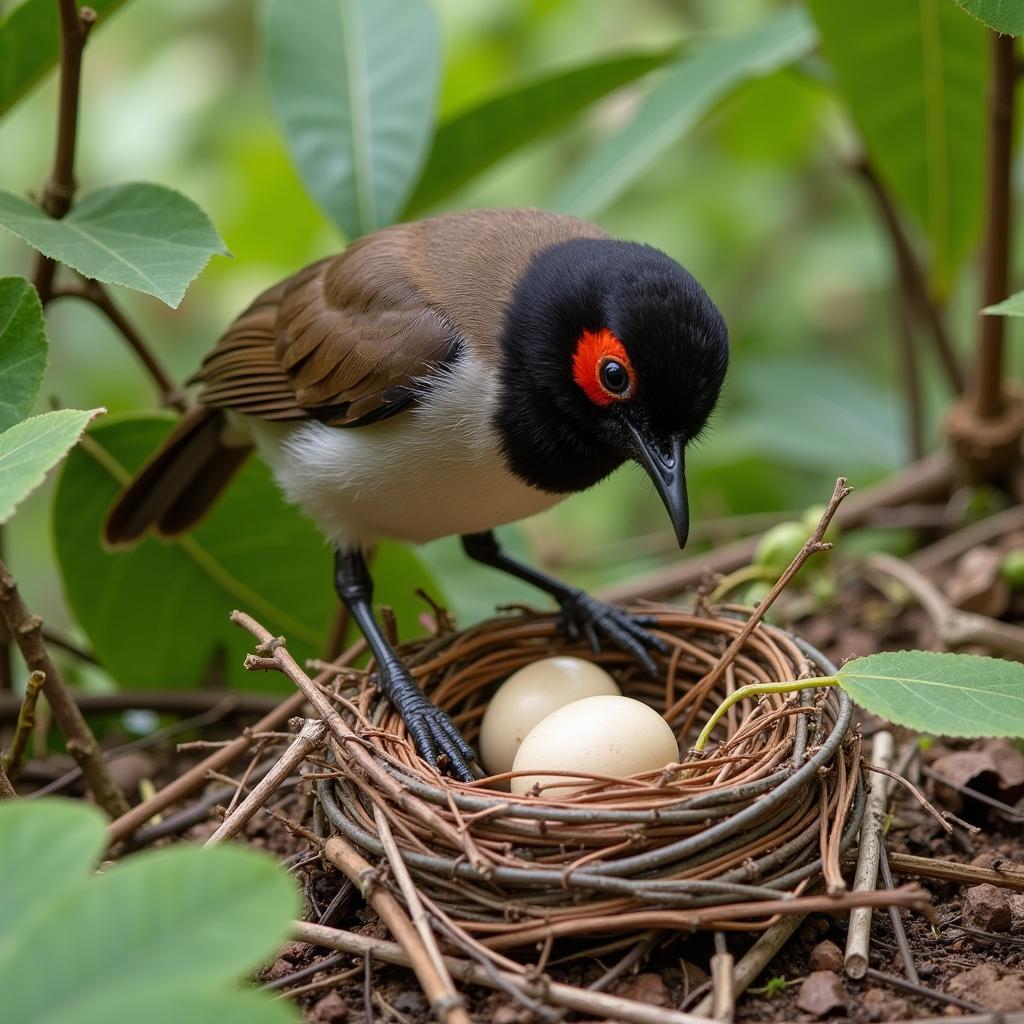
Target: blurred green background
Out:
[758,201]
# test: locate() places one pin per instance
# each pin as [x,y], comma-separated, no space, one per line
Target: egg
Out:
[531,694]
[604,735]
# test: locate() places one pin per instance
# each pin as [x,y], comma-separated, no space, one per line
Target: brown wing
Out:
[342,341]
[345,339]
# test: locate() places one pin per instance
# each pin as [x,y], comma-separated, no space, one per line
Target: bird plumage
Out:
[448,376]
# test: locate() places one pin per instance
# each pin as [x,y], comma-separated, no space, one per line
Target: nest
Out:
[717,842]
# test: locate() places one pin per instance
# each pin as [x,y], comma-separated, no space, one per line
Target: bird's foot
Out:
[584,615]
[433,732]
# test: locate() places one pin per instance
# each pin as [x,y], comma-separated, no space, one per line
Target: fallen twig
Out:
[909,967]
[196,776]
[951,871]
[445,1002]
[756,959]
[917,989]
[597,1004]
[859,936]
[310,737]
[25,628]
[723,988]
[412,899]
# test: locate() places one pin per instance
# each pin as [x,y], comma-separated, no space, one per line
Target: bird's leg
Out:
[432,730]
[580,612]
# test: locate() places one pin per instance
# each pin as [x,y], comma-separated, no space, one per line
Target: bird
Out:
[448,376]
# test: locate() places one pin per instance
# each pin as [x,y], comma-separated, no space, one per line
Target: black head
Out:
[611,351]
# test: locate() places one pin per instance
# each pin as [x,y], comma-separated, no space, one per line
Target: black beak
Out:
[668,472]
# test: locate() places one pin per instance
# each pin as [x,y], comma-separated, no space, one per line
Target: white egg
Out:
[605,735]
[531,694]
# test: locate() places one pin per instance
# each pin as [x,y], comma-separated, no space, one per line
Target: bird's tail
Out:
[178,483]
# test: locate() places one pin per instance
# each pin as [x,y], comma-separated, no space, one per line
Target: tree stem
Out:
[987,395]
[81,744]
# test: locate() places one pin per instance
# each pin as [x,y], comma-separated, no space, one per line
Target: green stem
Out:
[756,690]
[747,574]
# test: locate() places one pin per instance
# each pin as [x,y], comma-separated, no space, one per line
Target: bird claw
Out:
[433,733]
[598,621]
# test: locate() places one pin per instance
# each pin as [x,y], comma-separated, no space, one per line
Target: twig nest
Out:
[748,821]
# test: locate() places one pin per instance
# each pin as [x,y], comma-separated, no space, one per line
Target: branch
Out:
[81,744]
[812,546]
[912,279]
[309,739]
[6,789]
[96,295]
[12,760]
[987,397]
[59,188]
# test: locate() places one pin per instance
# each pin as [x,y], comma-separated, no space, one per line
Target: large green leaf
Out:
[475,139]
[139,235]
[913,74]
[1005,16]
[29,43]
[1013,306]
[686,93]
[46,849]
[31,448]
[23,349]
[156,615]
[161,936]
[945,694]
[354,84]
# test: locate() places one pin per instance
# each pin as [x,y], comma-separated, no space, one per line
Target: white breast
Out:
[431,471]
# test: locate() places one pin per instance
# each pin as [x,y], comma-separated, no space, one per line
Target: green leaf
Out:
[945,694]
[31,448]
[142,236]
[160,936]
[1013,306]
[471,141]
[687,92]
[354,84]
[913,74]
[1005,16]
[157,615]
[29,44]
[46,849]
[23,349]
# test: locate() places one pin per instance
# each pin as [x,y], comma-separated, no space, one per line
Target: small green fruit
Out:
[1012,568]
[779,546]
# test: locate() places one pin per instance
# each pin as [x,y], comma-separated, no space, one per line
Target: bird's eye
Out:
[614,377]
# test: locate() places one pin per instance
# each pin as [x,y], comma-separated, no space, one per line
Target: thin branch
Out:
[896,917]
[987,394]
[446,1003]
[97,295]
[59,188]
[80,742]
[14,757]
[756,959]
[865,878]
[164,702]
[812,545]
[952,871]
[310,737]
[723,988]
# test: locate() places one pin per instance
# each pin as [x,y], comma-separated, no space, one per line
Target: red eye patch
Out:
[590,369]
